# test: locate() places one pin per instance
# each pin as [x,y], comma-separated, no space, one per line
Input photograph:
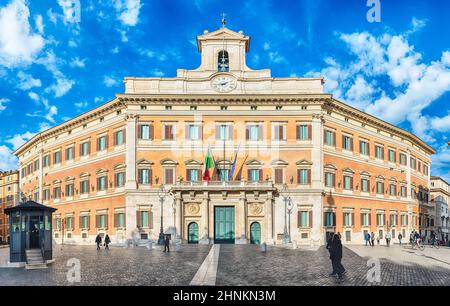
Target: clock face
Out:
[223,83]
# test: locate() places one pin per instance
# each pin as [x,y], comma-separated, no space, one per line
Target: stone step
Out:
[32,266]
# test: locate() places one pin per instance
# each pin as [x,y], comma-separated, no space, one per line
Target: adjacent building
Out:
[9,196]
[440,199]
[304,163]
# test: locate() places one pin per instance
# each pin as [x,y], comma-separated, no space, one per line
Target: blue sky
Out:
[59,58]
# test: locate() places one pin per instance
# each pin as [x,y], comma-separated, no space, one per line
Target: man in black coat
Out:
[166,243]
[98,240]
[336,256]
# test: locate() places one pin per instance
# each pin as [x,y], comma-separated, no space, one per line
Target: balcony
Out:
[224,185]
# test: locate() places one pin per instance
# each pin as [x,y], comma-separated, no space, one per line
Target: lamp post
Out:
[161,195]
[285,194]
[289,210]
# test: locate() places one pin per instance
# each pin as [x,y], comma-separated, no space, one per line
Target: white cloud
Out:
[61,87]
[53,17]
[51,112]
[18,44]
[276,58]
[128,11]
[39,24]
[98,99]
[63,84]
[82,104]
[110,81]
[72,44]
[26,81]
[7,159]
[71,10]
[441,124]
[77,62]
[2,101]
[19,139]
[33,96]
[157,72]
[266,46]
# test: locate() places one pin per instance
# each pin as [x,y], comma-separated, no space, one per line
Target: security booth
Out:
[30,229]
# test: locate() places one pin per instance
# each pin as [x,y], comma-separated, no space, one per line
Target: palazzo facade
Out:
[306,163]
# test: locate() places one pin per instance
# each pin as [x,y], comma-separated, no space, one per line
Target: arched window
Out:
[223,63]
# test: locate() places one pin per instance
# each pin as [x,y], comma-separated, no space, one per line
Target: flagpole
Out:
[223,164]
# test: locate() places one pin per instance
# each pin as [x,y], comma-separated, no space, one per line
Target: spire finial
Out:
[224,21]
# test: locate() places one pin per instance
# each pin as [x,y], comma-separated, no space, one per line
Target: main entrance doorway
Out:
[223,224]
[193,232]
[255,233]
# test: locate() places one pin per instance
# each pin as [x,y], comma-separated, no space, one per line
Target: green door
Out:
[223,224]
[255,233]
[193,232]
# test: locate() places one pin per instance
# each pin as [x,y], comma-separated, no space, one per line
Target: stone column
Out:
[268,216]
[204,230]
[41,175]
[130,157]
[409,192]
[317,181]
[178,225]
[241,216]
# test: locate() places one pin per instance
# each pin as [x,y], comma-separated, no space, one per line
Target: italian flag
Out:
[209,163]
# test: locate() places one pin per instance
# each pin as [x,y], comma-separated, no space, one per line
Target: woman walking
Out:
[107,242]
[336,257]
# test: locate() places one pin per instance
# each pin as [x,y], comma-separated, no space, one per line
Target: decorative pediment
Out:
[304,162]
[168,162]
[393,179]
[57,182]
[69,178]
[84,174]
[380,177]
[364,173]
[144,162]
[348,170]
[193,162]
[102,171]
[224,162]
[119,167]
[330,167]
[254,162]
[279,162]
[223,34]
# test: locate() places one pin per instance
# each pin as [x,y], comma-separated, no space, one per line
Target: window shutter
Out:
[98,144]
[361,218]
[138,219]
[353,219]
[261,175]
[116,220]
[218,131]
[309,176]
[124,219]
[187,132]
[124,135]
[297,131]
[97,221]
[368,148]
[139,130]
[325,219]
[106,221]
[106,141]
[324,136]
[351,143]
[199,171]
[334,180]
[370,219]
[260,132]
[334,219]
[188,177]
[230,132]
[298,176]
[310,219]
[247,133]
[343,142]
[248,175]
[298,219]
[139,176]
[200,132]
[334,138]
[351,183]
[115,138]
[150,219]
[309,132]
[81,149]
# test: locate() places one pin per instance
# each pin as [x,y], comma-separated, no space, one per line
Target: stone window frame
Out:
[329,210]
[151,131]
[380,179]
[382,146]
[400,154]
[187,135]
[57,184]
[48,155]
[70,215]
[309,131]
[66,148]
[119,168]
[348,172]
[124,135]
[333,130]
[100,173]
[230,126]
[69,180]
[383,214]
[404,184]
[389,149]
[144,164]
[46,187]
[330,169]
[352,145]
[351,211]
[168,163]
[193,164]
[149,210]
[260,126]
[304,164]
[281,165]
[98,213]
[364,175]
[97,141]
[275,124]
[365,211]
[88,141]
[367,141]
[117,211]
[174,131]
[254,164]
[54,157]
[309,211]
[82,214]
[85,176]
[393,181]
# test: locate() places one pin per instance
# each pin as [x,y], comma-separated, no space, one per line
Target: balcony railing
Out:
[266,183]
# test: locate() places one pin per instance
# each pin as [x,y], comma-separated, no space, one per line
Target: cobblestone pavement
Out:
[238,265]
[116,266]
[246,265]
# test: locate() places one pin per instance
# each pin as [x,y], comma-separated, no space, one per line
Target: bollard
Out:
[149,245]
[263,247]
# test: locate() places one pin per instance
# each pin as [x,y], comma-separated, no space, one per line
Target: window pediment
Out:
[254,162]
[144,162]
[193,162]
[364,173]
[279,162]
[119,167]
[330,167]
[168,162]
[102,171]
[304,162]
[348,171]
[84,175]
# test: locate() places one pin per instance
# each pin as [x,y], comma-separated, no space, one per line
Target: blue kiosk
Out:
[30,232]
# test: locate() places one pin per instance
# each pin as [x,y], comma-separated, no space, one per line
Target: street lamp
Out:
[285,194]
[289,210]
[161,195]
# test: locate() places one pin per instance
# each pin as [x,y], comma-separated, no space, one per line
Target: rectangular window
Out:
[392,189]
[144,176]
[101,183]
[348,219]
[279,176]
[224,132]
[145,131]
[119,137]
[85,148]
[425,170]
[254,132]
[348,182]
[193,132]
[120,179]
[365,186]
[254,175]
[379,152]
[403,220]
[393,220]
[330,138]
[84,222]
[69,223]
[69,190]
[46,161]
[365,219]
[304,219]
[168,176]
[84,186]
[70,153]
[278,132]
[303,176]
[364,147]
[36,165]
[119,220]
[403,191]
[57,193]
[329,179]
[144,219]
[193,175]
[57,157]
[391,155]
[102,143]
[46,194]
[403,159]
[169,132]
[413,163]
[102,221]
[419,166]
[380,188]
[330,218]
[347,143]
[380,219]
[304,132]
[224,175]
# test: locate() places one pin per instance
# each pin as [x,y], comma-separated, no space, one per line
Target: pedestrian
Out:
[339,234]
[400,238]
[329,240]
[446,240]
[107,242]
[336,257]
[388,238]
[367,238]
[98,240]
[372,238]
[166,243]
